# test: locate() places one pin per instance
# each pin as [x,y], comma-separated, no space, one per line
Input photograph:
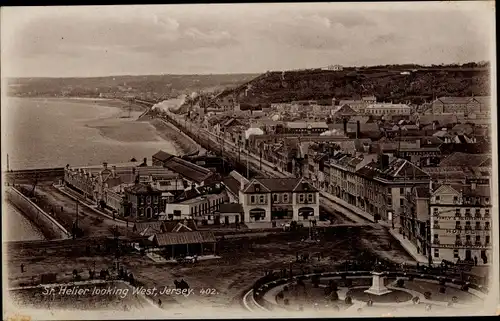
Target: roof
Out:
[280,185]
[148,228]
[422,191]
[178,226]
[454,100]
[232,184]
[463,159]
[196,237]
[162,156]
[142,188]
[303,124]
[387,105]
[231,208]
[188,170]
[401,168]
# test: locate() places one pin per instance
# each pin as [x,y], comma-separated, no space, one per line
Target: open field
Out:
[242,263]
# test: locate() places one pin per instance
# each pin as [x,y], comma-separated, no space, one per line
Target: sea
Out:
[44,133]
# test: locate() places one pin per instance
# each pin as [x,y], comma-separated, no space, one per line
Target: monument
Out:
[378,287]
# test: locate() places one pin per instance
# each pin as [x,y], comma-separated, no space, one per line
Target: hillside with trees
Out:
[404,83]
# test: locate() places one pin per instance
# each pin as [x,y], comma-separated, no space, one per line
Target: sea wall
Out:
[50,228]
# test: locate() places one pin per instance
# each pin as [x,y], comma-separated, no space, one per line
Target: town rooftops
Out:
[278,185]
[401,168]
[232,184]
[162,156]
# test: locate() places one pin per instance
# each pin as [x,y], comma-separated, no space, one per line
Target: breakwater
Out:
[50,228]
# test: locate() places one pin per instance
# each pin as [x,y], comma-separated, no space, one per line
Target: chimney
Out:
[113,171]
[145,161]
[417,142]
[105,165]
[345,126]
[358,129]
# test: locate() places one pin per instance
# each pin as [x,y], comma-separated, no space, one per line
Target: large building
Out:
[270,199]
[388,109]
[479,105]
[461,223]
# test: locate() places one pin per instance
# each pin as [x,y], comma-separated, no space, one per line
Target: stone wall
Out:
[47,224]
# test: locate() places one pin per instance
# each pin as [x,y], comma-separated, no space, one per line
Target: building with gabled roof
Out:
[271,199]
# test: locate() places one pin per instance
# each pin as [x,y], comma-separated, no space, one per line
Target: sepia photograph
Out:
[261,160]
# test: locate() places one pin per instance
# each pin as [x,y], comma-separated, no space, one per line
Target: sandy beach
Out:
[123,128]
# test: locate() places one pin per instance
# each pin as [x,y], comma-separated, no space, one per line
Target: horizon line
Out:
[245,73]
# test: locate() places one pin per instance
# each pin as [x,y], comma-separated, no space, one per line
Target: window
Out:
[478,238]
[487,239]
[487,212]
[487,225]
[141,212]
[310,198]
[457,225]
[478,212]
[148,199]
[467,238]
[402,191]
[389,201]
[467,212]
[457,212]
[261,199]
[487,200]
[275,197]
[285,198]
[478,225]
[177,213]
[401,202]
[455,199]
[457,238]
[467,225]
[436,252]
[252,199]
[436,236]
[257,187]
[438,198]
[301,198]
[455,254]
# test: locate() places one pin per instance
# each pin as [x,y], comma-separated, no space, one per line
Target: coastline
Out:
[167,131]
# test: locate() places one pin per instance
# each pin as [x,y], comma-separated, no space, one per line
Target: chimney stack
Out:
[145,161]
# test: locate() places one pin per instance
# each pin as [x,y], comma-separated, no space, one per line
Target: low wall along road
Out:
[47,224]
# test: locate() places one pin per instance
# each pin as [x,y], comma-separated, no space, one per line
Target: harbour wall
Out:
[50,228]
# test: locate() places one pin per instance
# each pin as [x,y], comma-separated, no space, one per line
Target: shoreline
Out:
[167,131]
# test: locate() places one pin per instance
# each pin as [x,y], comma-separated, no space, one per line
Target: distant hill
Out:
[153,87]
[387,83]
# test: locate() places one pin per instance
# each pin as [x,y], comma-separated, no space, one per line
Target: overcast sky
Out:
[188,39]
